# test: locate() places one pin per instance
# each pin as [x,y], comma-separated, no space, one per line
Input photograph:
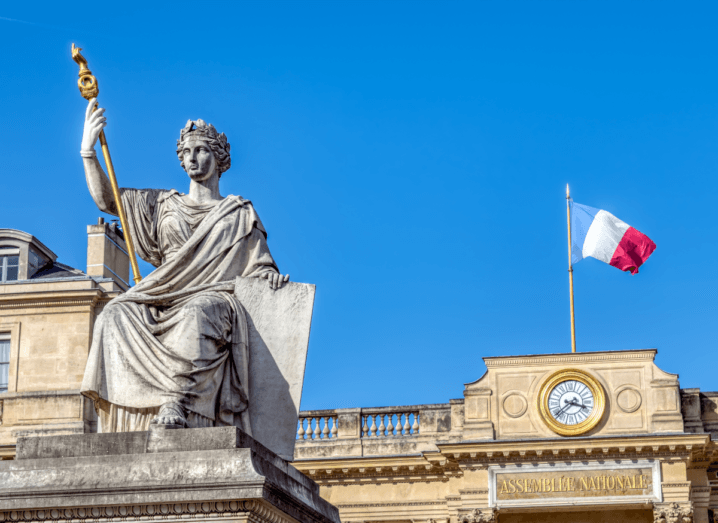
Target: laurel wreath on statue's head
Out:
[199,129]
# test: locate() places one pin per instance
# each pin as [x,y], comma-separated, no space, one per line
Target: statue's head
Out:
[196,139]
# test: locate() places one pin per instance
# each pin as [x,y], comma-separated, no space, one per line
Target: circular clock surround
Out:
[599,402]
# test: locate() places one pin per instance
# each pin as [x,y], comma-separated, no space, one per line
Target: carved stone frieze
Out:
[484,515]
[672,513]
[258,512]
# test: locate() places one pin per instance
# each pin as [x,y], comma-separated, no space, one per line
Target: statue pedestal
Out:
[205,474]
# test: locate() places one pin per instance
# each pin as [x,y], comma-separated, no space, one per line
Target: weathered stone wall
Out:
[50,326]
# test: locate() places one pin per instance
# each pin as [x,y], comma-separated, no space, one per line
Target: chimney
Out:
[107,253]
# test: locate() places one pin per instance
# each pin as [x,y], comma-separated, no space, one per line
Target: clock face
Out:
[570,402]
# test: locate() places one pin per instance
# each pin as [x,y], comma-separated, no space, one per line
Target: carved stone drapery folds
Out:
[672,513]
[484,515]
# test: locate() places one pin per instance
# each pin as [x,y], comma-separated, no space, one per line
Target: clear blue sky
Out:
[410,158]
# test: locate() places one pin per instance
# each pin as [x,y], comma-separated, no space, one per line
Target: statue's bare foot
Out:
[170,414]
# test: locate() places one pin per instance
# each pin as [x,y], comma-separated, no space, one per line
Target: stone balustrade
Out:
[387,422]
[317,425]
[377,430]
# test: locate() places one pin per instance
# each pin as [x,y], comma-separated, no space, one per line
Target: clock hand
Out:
[561,411]
[578,404]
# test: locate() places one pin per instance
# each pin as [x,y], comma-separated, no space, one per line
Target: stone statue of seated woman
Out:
[173,350]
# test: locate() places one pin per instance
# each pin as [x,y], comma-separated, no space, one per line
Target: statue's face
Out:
[199,160]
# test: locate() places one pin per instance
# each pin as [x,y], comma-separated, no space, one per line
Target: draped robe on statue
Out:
[179,335]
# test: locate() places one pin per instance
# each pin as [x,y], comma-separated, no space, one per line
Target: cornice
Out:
[479,455]
[573,445]
[70,298]
[365,462]
[572,358]
[390,469]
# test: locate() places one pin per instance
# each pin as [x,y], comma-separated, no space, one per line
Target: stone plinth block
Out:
[279,323]
[198,474]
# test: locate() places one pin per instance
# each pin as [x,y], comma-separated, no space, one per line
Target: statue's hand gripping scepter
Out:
[89,90]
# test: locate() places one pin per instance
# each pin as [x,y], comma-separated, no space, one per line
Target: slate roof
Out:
[57,271]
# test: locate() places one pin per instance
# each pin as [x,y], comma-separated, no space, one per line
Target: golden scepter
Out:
[89,90]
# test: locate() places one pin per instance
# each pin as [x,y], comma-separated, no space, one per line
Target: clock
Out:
[571,402]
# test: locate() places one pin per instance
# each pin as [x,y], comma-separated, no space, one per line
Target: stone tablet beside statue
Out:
[176,349]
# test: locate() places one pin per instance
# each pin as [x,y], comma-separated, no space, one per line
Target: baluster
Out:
[325,430]
[415,426]
[300,432]
[382,427]
[317,430]
[407,427]
[365,428]
[372,430]
[390,426]
[334,428]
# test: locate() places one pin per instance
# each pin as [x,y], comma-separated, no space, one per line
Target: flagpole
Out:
[570,271]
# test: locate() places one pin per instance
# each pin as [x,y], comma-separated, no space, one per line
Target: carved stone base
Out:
[199,474]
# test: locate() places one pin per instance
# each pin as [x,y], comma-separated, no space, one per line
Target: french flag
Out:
[600,234]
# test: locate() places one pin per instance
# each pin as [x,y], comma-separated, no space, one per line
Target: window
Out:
[4,361]
[9,266]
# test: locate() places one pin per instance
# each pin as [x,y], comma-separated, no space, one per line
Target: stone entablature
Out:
[454,459]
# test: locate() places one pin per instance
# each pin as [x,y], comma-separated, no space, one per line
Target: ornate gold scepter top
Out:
[87,83]
[89,90]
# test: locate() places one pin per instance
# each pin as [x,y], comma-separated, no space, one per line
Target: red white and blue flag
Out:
[601,235]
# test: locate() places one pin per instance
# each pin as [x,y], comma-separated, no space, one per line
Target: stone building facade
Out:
[645,454]
[491,456]
[47,310]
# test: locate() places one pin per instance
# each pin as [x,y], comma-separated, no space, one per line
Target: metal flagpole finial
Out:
[567,193]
